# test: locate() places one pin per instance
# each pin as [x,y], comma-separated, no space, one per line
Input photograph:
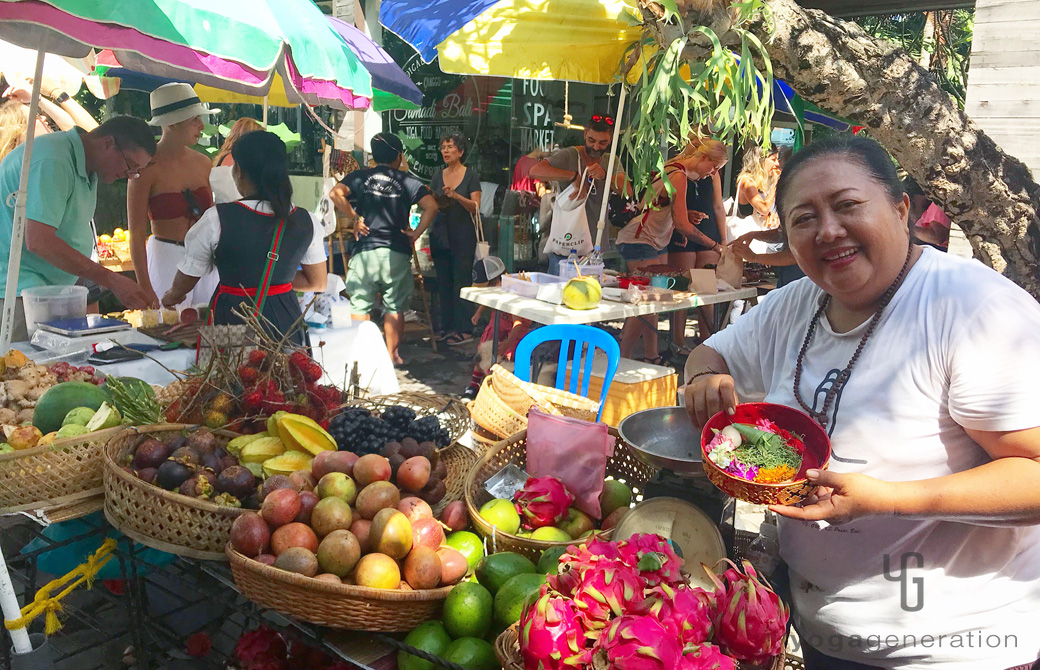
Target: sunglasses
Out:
[609,120]
[132,171]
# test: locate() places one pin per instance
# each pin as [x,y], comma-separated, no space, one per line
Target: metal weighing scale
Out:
[664,438]
[70,337]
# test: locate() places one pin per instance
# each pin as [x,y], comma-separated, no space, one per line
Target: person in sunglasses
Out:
[61,196]
[171,194]
[567,165]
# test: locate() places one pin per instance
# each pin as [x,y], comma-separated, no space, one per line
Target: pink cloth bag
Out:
[572,450]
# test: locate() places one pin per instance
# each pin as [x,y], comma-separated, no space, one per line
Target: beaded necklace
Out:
[843,376]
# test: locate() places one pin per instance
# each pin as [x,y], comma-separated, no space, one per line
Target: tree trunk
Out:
[841,68]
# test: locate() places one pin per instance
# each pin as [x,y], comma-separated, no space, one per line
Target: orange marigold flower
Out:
[780,473]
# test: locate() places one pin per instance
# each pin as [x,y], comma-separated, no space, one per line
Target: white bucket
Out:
[48,303]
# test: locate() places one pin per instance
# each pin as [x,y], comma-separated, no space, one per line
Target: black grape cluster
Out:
[357,430]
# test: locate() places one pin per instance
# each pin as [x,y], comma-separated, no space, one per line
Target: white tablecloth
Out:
[335,348]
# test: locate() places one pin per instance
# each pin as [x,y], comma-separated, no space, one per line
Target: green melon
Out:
[60,399]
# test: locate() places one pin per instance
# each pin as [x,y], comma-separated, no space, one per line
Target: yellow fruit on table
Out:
[304,434]
[15,359]
[118,234]
[258,451]
[105,238]
[287,463]
[582,293]
[23,437]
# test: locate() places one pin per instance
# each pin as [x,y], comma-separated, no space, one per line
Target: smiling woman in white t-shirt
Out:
[922,547]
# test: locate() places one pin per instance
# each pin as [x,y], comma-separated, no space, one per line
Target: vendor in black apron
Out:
[263,247]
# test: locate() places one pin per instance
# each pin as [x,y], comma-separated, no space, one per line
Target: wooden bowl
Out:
[817,454]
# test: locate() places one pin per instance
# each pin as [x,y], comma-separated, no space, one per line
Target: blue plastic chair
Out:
[585,340]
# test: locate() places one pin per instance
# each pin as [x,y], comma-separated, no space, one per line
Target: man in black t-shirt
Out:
[381,198]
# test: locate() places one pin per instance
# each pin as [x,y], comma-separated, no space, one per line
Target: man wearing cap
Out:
[61,196]
[381,198]
[565,166]
[171,195]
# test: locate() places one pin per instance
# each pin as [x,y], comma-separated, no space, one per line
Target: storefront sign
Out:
[536,115]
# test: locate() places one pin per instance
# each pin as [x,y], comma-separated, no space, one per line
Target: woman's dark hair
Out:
[261,156]
[458,139]
[868,153]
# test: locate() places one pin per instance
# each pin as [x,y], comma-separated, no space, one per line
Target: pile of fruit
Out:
[582,293]
[196,465]
[116,245]
[543,510]
[345,522]
[626,606]
[23,383]
[241,390]
[360,431]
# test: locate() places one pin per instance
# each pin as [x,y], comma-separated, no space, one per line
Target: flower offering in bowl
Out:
[761,452]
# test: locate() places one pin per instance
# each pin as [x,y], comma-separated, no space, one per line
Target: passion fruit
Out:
[150,454]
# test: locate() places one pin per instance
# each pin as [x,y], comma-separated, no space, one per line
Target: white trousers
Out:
[163,259]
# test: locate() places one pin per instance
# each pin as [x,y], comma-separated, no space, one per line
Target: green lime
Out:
[493,571]
[549,563]
[501,514]
[510,599]
[80,416]
[551,534]
[468,611]
[431,637]
[473,654]
[469,545]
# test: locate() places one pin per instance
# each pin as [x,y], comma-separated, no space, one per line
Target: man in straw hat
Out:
[64,172]
[171,194]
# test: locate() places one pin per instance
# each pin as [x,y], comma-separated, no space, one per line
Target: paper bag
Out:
[730,268]
[703,282]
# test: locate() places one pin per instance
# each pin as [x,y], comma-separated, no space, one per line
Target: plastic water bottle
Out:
[764,552]
[572,260]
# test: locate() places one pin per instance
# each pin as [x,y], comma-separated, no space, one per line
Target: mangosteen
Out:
[147,475]
[186,455]
[251,501]
[228,461]
[210,461]
[196,487]
[176,442]
[150,454]
[210,477]
[171,474]
[220,452]
[203,441]
[238,481]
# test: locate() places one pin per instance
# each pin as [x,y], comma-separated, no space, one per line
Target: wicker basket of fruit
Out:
[400,415]
[164,485]
[361,551]
[653,616]
[54,465]
[628,473]
[330,603]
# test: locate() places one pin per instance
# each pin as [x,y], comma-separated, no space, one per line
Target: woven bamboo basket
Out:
[623,466]
[492,414]
[334,605]
[62,475]
[162,519]
[451,412]
[521,396]
[507,649]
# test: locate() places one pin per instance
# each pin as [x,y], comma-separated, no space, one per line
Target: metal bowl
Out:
[665,438]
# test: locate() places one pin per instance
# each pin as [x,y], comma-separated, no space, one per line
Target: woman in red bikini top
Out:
[171,193]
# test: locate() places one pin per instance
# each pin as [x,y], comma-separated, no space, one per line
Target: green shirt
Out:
[61,194]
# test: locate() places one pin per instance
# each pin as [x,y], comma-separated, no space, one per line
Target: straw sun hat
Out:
[173,103]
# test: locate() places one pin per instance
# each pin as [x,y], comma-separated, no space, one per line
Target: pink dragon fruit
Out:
[552,636]
[634,642]
[686,611]
[706,657]
[751,620]
[542,502]
[579,558]
[604,592]
[654,557]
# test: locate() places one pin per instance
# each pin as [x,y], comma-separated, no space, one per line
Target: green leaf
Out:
[627,18]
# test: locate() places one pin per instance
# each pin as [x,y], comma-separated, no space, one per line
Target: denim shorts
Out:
[635,251]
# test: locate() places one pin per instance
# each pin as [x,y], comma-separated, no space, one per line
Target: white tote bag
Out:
[570,225]
[483,248]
